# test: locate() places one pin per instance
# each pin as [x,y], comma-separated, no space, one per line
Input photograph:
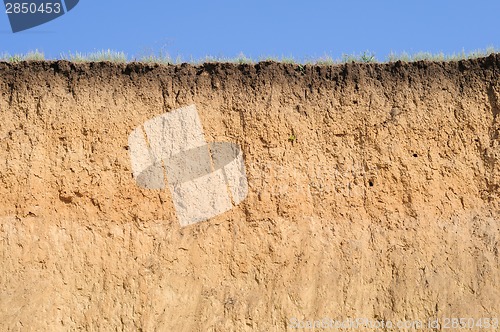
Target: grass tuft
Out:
[365,57]
[98,56]
[428,56]
[30,56]
[162,57]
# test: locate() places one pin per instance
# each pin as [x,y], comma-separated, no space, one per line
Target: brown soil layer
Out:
[374,193]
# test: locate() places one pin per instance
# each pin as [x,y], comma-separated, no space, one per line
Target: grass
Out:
[30,56]
[405,57]
[164,58]
[104,55]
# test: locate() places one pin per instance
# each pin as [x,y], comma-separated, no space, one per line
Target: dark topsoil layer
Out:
[311,76]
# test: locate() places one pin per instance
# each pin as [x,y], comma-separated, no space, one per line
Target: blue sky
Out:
[262,28]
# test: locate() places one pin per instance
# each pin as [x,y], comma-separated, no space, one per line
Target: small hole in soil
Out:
[415,155]
[370,183]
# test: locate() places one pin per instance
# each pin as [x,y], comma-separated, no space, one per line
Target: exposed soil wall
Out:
[374,191]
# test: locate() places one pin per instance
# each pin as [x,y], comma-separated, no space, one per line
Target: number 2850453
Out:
[33,8]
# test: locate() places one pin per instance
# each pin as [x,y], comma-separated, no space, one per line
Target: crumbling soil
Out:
[374,192]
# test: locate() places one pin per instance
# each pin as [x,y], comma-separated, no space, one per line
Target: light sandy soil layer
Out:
[374,192]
